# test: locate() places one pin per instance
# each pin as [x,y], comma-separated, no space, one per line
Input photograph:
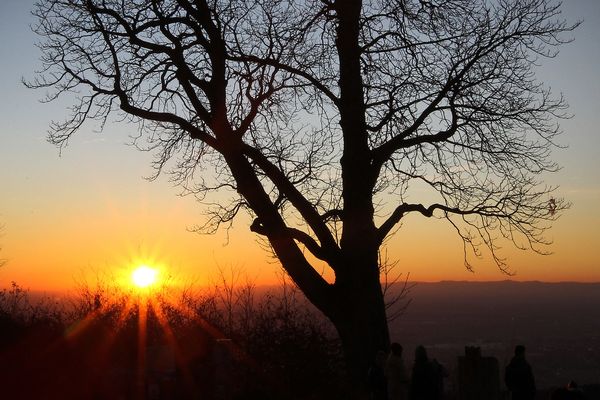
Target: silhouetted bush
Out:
[19,314]
[289,342]
[228,342]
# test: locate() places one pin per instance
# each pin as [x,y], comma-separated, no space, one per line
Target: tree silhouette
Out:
[320,118]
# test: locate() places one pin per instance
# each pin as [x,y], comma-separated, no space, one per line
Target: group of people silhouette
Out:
[388,378]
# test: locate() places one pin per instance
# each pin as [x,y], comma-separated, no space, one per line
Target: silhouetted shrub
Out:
[243,345]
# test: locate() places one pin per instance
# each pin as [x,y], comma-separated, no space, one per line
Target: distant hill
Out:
[517,298]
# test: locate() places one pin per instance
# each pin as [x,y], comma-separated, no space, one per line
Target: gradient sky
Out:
[89,210]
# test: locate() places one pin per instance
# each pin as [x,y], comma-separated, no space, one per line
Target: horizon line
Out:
[402,282]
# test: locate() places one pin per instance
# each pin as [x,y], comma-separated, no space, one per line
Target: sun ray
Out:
[142,338]
[218,335]
[172,342]
[81,325]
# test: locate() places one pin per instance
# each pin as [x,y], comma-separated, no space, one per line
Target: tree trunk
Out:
[360,316]
[361,322]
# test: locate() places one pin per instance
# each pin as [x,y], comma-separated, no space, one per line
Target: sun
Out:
[144,276]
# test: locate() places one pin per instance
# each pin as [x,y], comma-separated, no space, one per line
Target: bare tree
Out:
[321,117]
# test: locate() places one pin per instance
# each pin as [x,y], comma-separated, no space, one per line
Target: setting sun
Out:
[144,276]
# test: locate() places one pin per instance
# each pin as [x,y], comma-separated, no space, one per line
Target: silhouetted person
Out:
[438,374]
[377,380]
[427,377]
[519,377]
[395,372]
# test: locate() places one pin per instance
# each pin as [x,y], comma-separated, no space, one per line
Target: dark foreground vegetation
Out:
[227,343]
[237,341]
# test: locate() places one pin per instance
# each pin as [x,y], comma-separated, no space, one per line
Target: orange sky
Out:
[90,210]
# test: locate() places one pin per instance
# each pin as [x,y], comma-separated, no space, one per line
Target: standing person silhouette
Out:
[427,377]
[518,376]
[396,374]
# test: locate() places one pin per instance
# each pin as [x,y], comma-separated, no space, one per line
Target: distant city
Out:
[559,323]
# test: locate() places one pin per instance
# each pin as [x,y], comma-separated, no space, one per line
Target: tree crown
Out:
[319,116]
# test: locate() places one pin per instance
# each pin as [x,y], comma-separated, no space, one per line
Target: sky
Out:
[88,210]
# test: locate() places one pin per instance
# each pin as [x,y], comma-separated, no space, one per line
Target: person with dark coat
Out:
[518,376]
[396,374]
[427,377]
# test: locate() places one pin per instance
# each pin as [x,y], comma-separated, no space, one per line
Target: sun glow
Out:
[144,276]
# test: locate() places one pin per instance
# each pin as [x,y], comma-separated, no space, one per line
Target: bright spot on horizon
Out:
[144,276]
